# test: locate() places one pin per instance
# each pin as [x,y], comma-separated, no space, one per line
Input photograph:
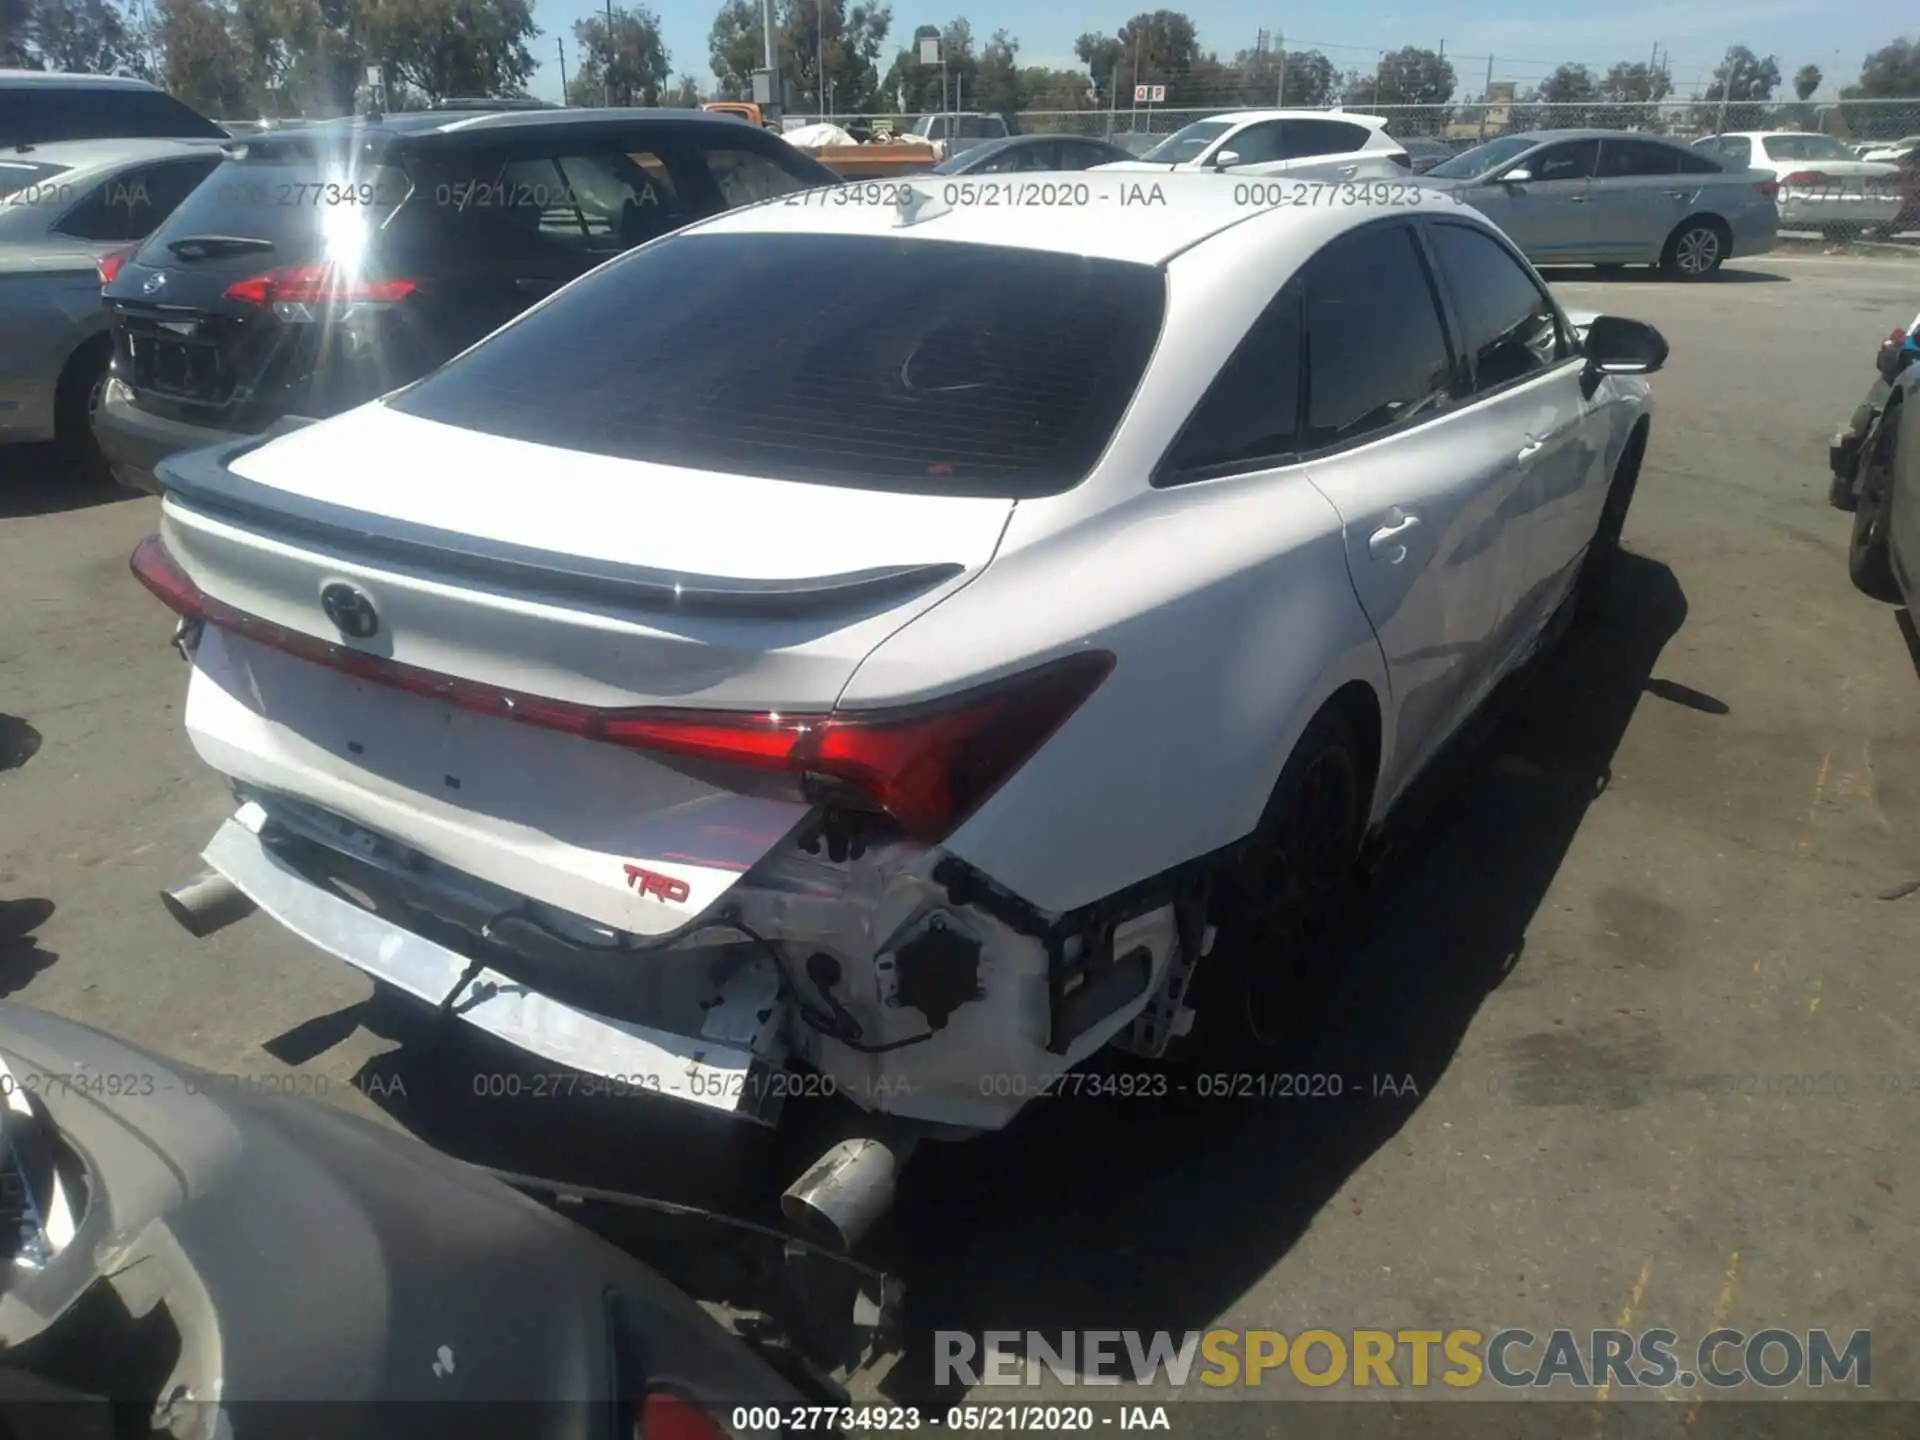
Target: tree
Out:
[456,47]
[1806,80]
[203,61]
[916,88]
[1890,73]
[685,94]
[627,65]
[1741,86]
[1634,82]
[1569,85]
[1048,89]
[1418,83]
[996,86]
[88,36]
[16,23]
[1161,47]
[848,38]
[301,57]
[1101,54]
[1311,79]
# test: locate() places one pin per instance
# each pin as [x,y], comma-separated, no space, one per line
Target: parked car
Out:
[41,107]
[1897,351]
[954,132]
[63,209]
[1891,151]
[213,1257]
[320,267]
[747,712]
[1337,145]
[1425,153]
[1823,185]
[1031,152]
[1611,198]
[1883,555]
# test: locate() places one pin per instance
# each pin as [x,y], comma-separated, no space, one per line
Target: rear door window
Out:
[746,177]
[1574,160]
[1377,352]
[1259,144]
[1620,159]
[871,361]
[1250,416]
[129,206]
[1737,148]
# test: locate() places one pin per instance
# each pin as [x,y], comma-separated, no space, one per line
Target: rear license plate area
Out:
[174,367]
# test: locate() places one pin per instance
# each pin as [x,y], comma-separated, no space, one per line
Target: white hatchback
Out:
[1323,144]
[899,647]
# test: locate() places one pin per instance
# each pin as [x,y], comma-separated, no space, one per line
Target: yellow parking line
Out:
[1626,1319]
[1722,1308]
[1819,789]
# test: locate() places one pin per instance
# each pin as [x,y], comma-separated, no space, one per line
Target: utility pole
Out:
[1486,99]
[820,20]
[609,75]
[560,44]
[1726,90]
[1280,90]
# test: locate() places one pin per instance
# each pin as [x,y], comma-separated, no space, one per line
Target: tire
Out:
[77,397]
[1869,564]
[1605,543]
[1695,250]
[1278,909]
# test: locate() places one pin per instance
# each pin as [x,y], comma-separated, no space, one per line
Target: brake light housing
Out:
[1769,189]
[113,262]
[289,289]
[662,1415]
[927,766]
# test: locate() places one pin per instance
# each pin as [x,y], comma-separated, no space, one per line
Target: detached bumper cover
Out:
[709,1073]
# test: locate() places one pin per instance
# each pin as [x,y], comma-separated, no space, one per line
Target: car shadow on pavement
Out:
[41,481]
[21,955]
[1131,1214]
[19,742]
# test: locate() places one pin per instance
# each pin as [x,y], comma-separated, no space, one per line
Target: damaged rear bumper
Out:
[719,1071]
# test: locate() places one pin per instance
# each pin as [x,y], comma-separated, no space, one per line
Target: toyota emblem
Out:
[153,283]
[350,609]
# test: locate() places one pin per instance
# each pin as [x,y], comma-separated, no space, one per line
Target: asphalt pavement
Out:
[1642,985]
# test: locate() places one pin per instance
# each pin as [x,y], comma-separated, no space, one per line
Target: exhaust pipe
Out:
[206,903]
[840,1197]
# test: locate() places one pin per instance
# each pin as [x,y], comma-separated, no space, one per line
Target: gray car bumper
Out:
[134,441]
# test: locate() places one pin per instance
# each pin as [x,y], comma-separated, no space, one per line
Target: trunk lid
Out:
[546,573]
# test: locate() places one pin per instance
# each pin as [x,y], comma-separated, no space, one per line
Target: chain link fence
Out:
[1853,121]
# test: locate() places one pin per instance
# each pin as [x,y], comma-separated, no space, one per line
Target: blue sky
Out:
[1526,41]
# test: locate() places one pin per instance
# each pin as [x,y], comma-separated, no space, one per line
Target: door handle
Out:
[1347,172]
[1530,449]
[1679,194]
[1576,199]
[1388,543]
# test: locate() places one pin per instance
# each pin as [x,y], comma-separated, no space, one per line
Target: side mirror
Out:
[1892,358]
[1225,158]
[1616,346]
[1517,177]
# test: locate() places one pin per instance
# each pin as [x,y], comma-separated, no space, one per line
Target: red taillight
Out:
[114,261]
[1769,189]
[928,766]
[1809,178]
[318,283]
[662,1416]
[1898,337]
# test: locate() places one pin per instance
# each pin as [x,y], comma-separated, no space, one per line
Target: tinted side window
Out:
[1572,161]
[145,113]
[130,205]
[1737,148]
[1250,417]
[1693,162]
[1306,138]
[1257,144]
[1507,324]
[1637,157]
[1077,156]
[1376,350]
[745,177]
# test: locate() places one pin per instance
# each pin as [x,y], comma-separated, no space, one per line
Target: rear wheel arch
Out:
[1357,701]
[1716,223]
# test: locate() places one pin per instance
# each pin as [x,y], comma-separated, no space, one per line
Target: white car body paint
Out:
[1235,607]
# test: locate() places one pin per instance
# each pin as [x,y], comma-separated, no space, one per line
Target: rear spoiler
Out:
[204,482]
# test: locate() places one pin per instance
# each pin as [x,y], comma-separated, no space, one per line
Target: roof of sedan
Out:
[87,154]
[1146,217]
[1541,137]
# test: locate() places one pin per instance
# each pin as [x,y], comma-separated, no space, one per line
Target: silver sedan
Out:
[1613,197]
[65,210]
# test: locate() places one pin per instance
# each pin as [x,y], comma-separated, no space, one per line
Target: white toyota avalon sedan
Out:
[893,649]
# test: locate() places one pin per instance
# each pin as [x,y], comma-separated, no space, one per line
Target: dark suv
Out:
[40,107]
[319,268]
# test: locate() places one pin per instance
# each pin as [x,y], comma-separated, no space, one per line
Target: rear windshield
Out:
[1805,147]
[325,202]
[878,362]
[41,112]
[33,181]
